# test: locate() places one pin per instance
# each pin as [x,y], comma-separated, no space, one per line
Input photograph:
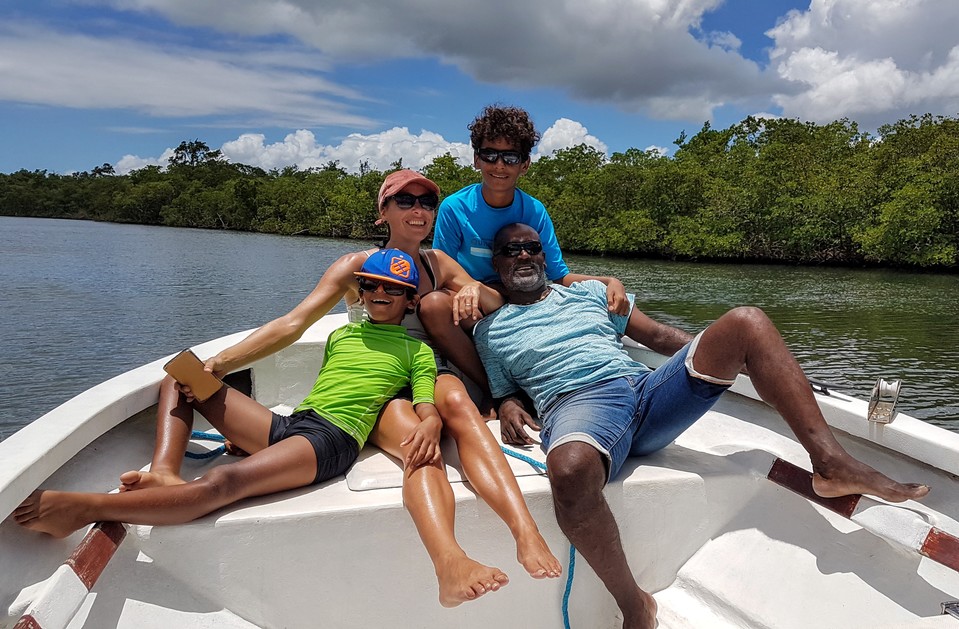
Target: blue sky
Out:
[279,82]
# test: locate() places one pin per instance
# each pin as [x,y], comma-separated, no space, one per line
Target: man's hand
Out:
[513,419]
[616,297]
[424,442]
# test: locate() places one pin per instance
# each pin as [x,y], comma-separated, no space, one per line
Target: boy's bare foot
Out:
[135,479]
[55,513]
[643,614]
[534,554]
[849,476]
[461,579]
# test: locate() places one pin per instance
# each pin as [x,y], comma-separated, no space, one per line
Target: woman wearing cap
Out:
[407,202]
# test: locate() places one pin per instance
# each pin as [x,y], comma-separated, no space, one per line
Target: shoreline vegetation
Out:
[771,191]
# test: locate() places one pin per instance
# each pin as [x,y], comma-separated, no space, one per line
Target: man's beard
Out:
[526,283]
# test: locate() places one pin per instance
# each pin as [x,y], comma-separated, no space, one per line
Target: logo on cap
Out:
[400,267]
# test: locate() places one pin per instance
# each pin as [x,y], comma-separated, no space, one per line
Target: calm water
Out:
[81,302]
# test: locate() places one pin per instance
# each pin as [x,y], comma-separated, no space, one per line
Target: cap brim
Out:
[384,278]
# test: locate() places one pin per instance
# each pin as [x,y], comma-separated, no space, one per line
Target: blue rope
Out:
[572,549]
[206,436]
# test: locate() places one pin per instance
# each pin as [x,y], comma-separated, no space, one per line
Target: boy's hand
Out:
[616,297]
[424,443]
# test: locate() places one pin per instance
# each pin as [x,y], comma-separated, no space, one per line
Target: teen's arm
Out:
[283,331]
[615,291]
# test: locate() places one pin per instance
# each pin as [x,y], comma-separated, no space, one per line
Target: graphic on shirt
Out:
[480,248]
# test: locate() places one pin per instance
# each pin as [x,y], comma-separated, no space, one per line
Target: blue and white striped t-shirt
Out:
[564,342]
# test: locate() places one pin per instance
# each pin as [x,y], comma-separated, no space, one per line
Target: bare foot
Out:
[849,476]
[55,513]
[461,579]
[134,479]
[642,615]
[533,552]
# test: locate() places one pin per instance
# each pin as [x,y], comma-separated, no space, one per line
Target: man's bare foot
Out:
[55,513]
[134,479]
[849,476]
[461,579]
[642,614]
[533,552]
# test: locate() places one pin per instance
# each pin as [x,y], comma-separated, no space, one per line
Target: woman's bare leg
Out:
[488,472]
[287,464]
[429,499]
[249,430]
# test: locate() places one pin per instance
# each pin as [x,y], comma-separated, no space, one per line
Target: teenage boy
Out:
[502,140]
[365,365]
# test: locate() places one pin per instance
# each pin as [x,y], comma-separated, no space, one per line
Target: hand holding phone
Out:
[189,370]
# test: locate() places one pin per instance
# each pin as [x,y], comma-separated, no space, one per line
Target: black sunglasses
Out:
[513,249]
[406,201]
[370,286]
[510,158]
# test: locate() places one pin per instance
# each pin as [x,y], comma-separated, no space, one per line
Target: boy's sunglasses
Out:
[513,249]
[405,201]
[510,158]
[370,286]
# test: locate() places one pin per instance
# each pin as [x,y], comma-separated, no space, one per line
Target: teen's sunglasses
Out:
[510,158]
[370,286]
[406,201]
[513,249]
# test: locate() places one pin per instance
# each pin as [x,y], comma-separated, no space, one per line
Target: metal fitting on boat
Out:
[950,608]
[882,402]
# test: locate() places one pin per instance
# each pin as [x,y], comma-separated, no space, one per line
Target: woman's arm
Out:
[471,297]
[281,332]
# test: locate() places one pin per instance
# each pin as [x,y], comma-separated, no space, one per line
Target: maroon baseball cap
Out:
[395,182]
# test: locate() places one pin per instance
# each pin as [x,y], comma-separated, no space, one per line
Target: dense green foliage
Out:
[771,190]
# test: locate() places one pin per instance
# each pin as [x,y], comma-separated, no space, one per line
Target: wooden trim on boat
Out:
[57,603]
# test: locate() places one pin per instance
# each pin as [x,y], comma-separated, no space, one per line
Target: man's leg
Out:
[577,472]
[429,499]
[488,472]
[287,464]
[745,337]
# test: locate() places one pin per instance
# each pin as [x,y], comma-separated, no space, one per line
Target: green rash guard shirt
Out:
[364,366]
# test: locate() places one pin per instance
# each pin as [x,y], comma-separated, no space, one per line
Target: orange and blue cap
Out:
[391,265]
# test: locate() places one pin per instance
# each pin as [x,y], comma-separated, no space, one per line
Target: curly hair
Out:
[498,122]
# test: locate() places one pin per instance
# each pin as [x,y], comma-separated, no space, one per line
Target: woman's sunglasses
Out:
[406,201]
[510,158]
[513,249]
[370,286]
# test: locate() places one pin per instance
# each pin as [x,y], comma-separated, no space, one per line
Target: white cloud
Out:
[642,56]
[272,86]
[660,150]
[566,133]
[869,60]
[379,150]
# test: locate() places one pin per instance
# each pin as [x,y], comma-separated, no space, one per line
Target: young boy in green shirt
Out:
[365,365]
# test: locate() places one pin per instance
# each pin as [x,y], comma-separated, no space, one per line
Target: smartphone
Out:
[187,369]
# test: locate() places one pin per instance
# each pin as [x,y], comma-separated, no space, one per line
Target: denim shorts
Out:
[335,449]
[633,415]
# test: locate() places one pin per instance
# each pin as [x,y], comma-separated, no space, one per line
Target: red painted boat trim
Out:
[95,550]
[942,547]
[27,622]
[800,481]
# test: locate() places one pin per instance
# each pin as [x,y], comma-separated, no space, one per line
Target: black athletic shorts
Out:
[335,448]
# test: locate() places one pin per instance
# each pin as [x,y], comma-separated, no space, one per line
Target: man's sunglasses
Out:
[370,286]
[510,158]
[513,249]
[405,201]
